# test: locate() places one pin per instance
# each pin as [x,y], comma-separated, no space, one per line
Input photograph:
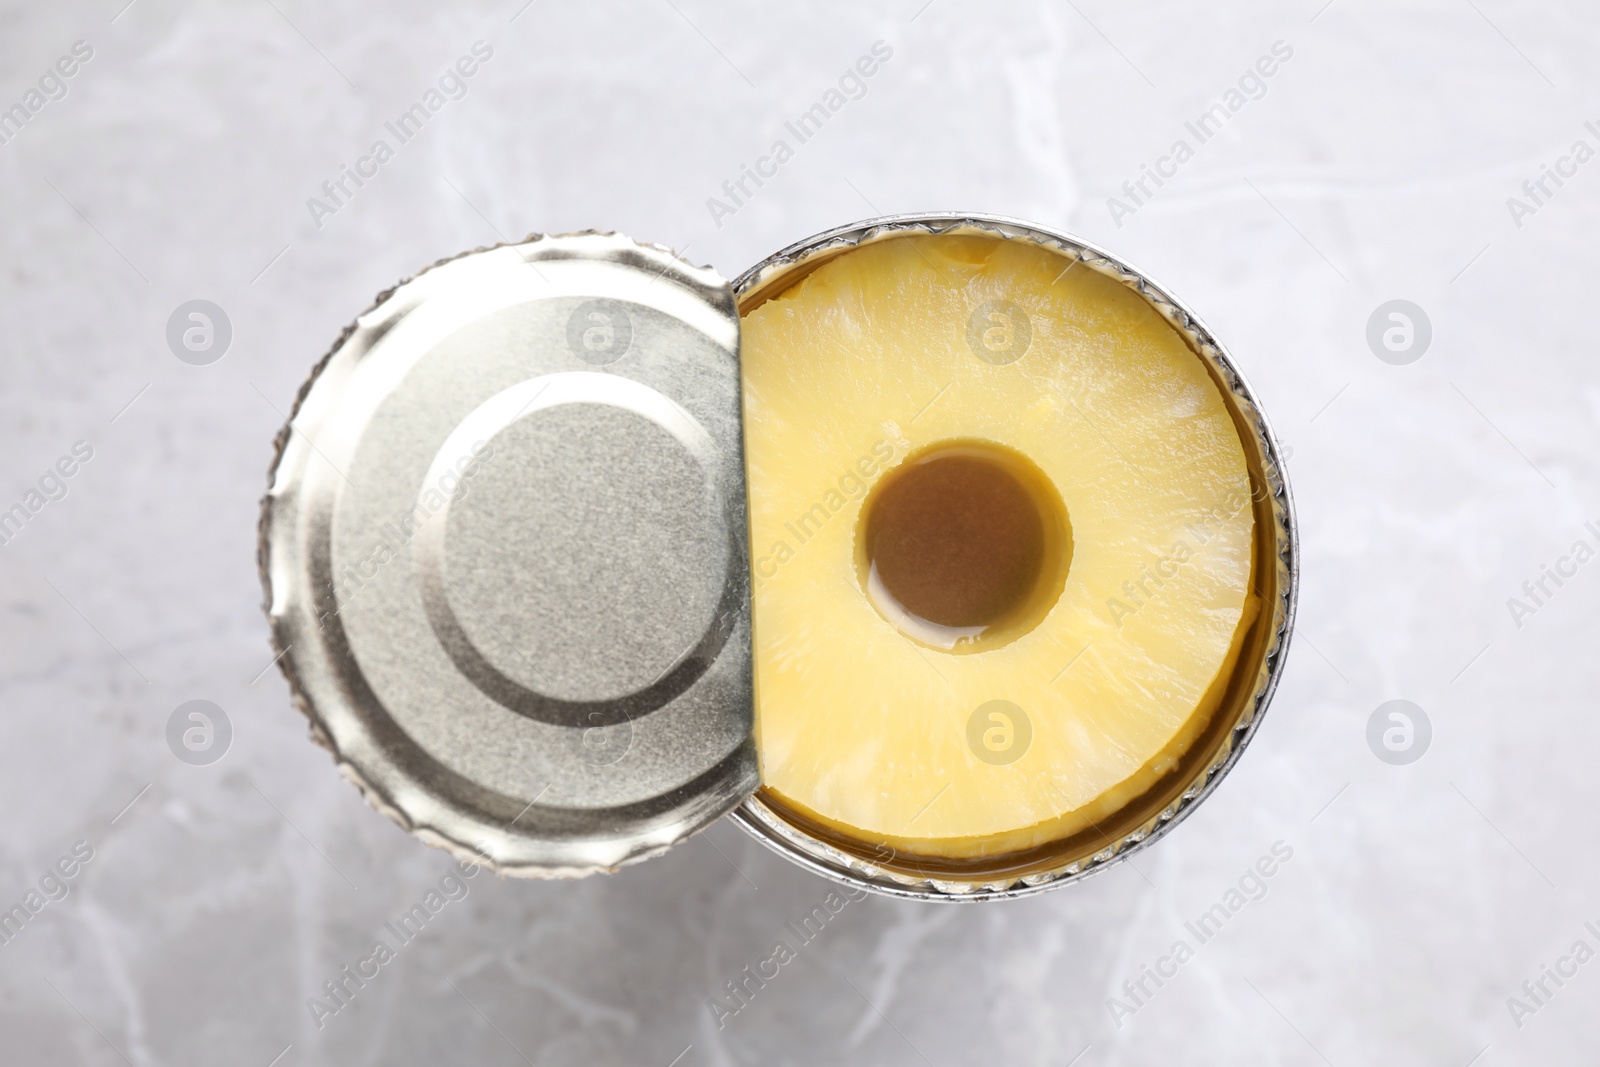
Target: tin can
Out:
[506,565]
[1140,823]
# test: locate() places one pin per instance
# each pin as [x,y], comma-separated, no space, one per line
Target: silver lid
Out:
[504,554]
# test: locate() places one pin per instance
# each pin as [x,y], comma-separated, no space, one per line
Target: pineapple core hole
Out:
[964,546]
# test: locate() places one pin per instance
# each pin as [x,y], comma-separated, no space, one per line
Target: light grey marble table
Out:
[1397,151]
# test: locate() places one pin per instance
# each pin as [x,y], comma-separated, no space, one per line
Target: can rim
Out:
[767,825]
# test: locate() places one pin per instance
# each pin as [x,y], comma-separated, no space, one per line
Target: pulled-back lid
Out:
[504,554]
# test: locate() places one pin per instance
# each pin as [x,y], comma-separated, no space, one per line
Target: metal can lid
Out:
[504,554]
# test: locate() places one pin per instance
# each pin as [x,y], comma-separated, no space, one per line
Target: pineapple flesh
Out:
[1034,715]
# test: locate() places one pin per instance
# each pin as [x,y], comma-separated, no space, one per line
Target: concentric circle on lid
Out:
[504,554]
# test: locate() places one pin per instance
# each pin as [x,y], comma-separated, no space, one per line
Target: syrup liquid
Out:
[964,546]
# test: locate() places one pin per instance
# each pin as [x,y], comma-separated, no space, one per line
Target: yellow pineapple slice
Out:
[956,742]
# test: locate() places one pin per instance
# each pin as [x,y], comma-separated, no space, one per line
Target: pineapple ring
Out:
[889,349]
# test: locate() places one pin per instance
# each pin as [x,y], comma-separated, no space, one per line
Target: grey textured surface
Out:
[1375,164]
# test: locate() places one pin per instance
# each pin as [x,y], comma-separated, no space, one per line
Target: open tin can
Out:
[507,569]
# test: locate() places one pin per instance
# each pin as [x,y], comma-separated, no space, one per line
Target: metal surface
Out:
[879,870]
[505,558]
